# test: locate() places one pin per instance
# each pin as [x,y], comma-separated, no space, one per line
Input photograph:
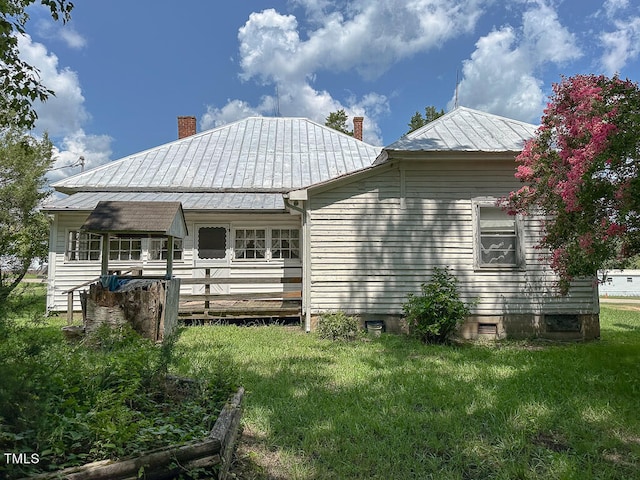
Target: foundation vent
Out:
[488,329]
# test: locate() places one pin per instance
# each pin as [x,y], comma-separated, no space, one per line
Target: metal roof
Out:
[233,201]
[467,130]
[254,155]
[155,218]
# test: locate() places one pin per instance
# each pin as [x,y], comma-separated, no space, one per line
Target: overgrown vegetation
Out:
[394,407]
[435,314]
[106,397]
[338,326]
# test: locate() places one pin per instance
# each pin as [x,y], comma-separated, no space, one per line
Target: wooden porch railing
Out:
[248,303]
[290,301]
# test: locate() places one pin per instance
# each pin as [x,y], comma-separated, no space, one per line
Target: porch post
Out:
[169,256]
[104,269]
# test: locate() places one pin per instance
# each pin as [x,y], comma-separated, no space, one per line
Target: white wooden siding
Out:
[374,240]
[64,275]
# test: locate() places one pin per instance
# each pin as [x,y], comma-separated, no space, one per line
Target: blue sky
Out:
[123,71]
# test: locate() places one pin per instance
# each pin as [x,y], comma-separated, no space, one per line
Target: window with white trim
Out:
[158,248]
[125,248]
[497,238]
[285,243]
[250,243]
[82,246]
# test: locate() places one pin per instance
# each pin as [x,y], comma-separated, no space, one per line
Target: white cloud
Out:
[546,39]
[621,45]
[57,31]
[612,7]
[232,111]
[63,115]
[501,75]
[364,36]
[64,112]
[94,149]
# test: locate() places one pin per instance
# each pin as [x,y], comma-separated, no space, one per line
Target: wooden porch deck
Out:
[238,309]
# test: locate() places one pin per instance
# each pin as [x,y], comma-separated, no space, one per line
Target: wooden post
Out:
[104,270]
[207,286]
[169,257]
[70,307]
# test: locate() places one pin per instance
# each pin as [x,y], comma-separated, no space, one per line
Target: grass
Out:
[394,408]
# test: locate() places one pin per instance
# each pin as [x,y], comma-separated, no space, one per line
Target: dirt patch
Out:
[552,441]
[254,459]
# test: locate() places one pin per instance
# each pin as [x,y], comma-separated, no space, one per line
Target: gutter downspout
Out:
[306,261]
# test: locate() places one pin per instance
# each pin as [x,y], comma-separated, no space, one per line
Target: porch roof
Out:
[209,201]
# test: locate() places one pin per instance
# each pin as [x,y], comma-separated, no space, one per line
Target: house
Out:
[230,182]
[373,236]
[363,227]
[623,283]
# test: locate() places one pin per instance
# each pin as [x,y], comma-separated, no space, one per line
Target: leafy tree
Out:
[20,82]
[430,114]
[24,161]
[581,171]
[338,121]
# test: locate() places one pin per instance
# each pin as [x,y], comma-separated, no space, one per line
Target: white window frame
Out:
[490,202]
[253,248]
[268,250]
[79,238]
[118,252]
[289,249]
[161,250]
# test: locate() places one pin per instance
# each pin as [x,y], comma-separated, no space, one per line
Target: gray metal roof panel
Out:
[215,201]
[257,153]
[467,130]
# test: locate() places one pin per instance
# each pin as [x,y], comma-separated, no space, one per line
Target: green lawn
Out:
[393,408]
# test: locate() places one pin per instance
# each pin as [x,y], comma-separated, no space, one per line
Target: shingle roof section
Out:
[257,154]
[467,130]
[161,218]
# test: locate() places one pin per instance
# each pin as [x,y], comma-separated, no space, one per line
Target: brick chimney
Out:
[357,127]
[186,126]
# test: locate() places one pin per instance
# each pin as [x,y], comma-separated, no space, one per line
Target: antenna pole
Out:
[456,100]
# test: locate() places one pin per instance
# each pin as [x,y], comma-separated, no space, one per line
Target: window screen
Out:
[212,242]
[498,237]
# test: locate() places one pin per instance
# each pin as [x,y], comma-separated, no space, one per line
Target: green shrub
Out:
[434,315]
[338,326]
[108,396]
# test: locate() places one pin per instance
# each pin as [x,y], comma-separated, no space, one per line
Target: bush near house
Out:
[435,314]
[338,326]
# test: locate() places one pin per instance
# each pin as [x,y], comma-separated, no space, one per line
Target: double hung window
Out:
[266,244]
[158,248]
[497,242]
[82,246]
[250,243]
[285,243]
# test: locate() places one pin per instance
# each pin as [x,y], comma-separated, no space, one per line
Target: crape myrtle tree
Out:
[581,172]
[24,229]
[19,81]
